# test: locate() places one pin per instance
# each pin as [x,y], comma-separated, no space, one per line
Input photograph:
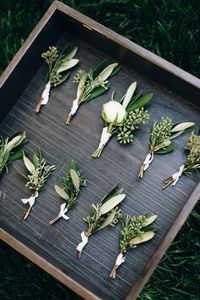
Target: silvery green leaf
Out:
[175,135]
[61,192]
[150,219]
[75,179]
[107,71]
[146,236]
[71,54]
[108,220]
[15,142]
[29,165]
[67,65]
[80,88]
[111,203]
[129,94]
[166,143]
[182,126]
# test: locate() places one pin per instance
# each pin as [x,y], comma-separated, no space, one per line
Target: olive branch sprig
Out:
[39,171]
[105,213]
[123,117]
[192,163]
[58,70]
[161,135]
[135,230]
[92,84]
[10,149]
[72,184]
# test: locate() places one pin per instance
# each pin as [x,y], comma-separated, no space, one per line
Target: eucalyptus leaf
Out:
[75,179]
[111,203]
[67,65]
[29,165]
[146,236]
[108,220]
[182,126]
[141,102]
[14,142]
[61,192]
[104,75]
[166,150]
[100,68]
[129,94]
[71,54]
[116,190]
[149,219]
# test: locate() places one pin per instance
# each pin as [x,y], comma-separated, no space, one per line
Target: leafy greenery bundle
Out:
[58,64]
[192,163]
[123,117]
[36,180]
[160,139]
[10,149]
[72,184]
[135,230]
[105,213]
[92,84]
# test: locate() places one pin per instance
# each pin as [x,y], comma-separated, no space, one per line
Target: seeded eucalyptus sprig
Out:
[160,139]
[123,117]
[105,213]
[39,172]
[192,163]
[59,65]
[10,149]
[92,84]
[72,184]
[135,230]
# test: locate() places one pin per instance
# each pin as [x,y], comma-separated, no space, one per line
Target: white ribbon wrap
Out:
[75,106]
[120,260]
[45,94]
[177,175]
[82,244]
[31,200]
[148,160]
[63,211]
[105,136]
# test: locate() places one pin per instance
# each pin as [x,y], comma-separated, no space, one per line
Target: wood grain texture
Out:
[57,244]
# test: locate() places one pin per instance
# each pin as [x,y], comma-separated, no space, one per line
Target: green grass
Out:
[169,28]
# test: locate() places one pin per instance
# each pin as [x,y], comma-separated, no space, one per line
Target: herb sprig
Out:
[39,171]
[92,84]
[10,149]
[123,117]
[135,230]
[58,70]
[72,184]
[105,213]
[192,163]
[161,135]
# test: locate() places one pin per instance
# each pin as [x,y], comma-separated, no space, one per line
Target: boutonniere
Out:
[135,230]
[92,84]
[105,213]
[123,117]
[39,171]
[160,139]
[10,149]
[72,184]
[58,70]
[192,161]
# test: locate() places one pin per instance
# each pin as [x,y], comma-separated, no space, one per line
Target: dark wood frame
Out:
[175,79]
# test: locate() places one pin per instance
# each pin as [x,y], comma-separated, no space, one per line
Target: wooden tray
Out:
[53,248]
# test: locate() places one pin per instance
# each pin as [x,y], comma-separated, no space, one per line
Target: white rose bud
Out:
[113,111]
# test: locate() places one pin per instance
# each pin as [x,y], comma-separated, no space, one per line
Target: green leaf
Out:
[108,220]
[106,73]
[75,179]
[73,165]
[29,165]
[15,156]
[115,71]
[143,238]
[111,203]
[71,54]
[129,94]
[150,219]
[97,92]
[116,190]
[35,160]
[167,149]
[100,68]
[61,192]
[141,102]
[66,65]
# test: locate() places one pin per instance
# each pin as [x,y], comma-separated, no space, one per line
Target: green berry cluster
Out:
[193,157]
[50,55]
[161,131]
[133,119]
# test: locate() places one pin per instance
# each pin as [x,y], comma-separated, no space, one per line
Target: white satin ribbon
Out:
[177,175]
[148,160]
[105,136]
[120,260]
[75,106]
[63,211]
[30,200]
[45,94]
[82,244]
